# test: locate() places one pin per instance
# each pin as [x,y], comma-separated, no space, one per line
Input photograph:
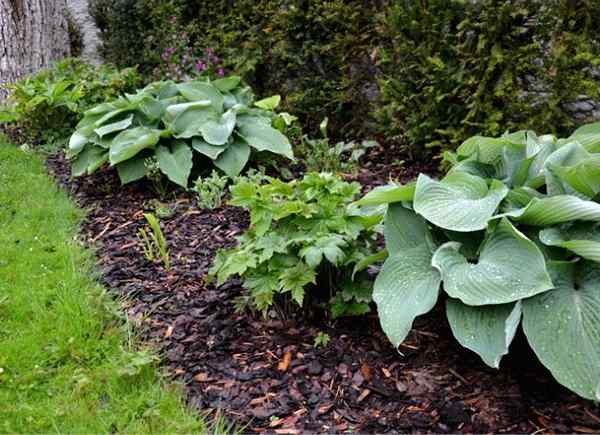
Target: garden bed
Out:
[267,374]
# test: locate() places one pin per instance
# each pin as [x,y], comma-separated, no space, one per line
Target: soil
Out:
[266,374]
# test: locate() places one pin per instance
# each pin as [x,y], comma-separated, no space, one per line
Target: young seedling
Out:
[154,242]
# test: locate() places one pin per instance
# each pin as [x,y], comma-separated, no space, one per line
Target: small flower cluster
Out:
[180,61]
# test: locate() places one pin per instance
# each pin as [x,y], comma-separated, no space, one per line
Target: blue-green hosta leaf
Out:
[176,162]
[110,115]
[197,91]
[217,130]
[88,160]
[113,127]
[227,84]
[269,103]
[263,137]
[211,151]
[189,122]
[582,238]
[131,170]
[563,327]
[556,166]
[128,143]
[174,110]
[388,194]
[406,288]
[555,210]
[76,143]
[404,229]
[460,202]
[234,158]
[486,330]
[510,267]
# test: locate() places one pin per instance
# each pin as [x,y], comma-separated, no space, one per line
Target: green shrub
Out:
[512,232]
[163,124]
[48,105]
[457,68]
[303,244]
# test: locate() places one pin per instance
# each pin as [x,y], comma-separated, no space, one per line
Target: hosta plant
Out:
[512,236]
[178,124]
[303,243]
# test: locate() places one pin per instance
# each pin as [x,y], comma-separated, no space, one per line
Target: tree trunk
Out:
[33,33]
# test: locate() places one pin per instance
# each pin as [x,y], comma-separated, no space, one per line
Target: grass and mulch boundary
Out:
[69,361]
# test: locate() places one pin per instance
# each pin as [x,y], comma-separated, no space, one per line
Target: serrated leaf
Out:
[510,267]
[563,327]
[486,330]
[176,162]
[460,202]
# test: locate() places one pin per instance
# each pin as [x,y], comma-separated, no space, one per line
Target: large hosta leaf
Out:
[563,327]
[234,158]
[211,151]
[588,136]
[582,238]
[176,162]
[486,330]
[216,131]
[128,143]
[197,91]
[556,210]
[557,167]
[460,202]
[113,127]
[131,170]
[262,137]
[407,285]
[510,267]
[88,160]
[189,122]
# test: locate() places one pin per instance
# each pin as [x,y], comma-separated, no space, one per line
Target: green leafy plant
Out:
[48,104]
[215,121]
[304,241]
[154,242]
[322,339]
[320,155]
[211,190]
[512,233]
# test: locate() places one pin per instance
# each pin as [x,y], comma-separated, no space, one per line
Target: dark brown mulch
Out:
[267,374]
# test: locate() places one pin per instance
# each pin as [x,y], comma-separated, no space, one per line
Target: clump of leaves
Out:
[322,339]
[213,122]
[211,190]
[320,155]
[512,233]
[154,242]
[303,243]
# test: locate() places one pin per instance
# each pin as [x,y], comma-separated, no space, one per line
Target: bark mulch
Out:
[267,375]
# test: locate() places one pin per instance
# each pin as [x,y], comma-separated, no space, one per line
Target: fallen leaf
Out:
[366,371]
[324,409]
[363,395]
[284,364]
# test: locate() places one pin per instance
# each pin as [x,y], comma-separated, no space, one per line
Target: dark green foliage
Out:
[48,105]
[457,68]
[303,244]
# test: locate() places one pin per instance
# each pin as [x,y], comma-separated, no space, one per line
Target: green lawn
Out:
[67,360]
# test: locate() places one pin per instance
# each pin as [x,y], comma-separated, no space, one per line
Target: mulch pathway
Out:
[267,375]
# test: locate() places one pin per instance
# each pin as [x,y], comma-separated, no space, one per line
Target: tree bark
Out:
[33,33]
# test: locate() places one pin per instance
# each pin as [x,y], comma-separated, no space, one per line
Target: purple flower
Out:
[200,66]
[220,72]
[210,52]
[173,19]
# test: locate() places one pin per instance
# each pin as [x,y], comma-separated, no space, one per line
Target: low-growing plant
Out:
[322,339]
[303,243]
[320,155]
[211,190]
[48,104]
[178,123]
[154,242]
[512,234]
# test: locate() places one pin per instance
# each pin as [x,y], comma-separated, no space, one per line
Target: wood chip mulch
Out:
[267,375]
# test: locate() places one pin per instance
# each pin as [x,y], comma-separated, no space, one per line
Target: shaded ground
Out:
[268,375]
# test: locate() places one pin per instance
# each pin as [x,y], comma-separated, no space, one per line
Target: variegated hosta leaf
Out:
[555,210]
[459,202]
[486,330]
[582,238]
[563,327]
[510,267]
[176,162]
[407,285]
